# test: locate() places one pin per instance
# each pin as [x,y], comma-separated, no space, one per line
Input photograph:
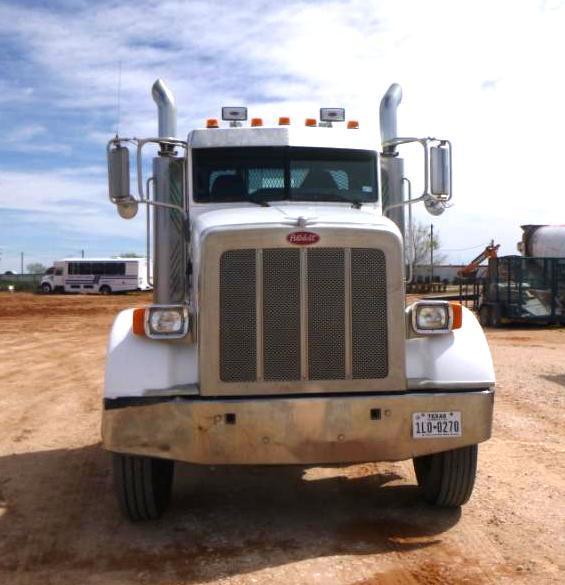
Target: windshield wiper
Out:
[257,201]
[355,203]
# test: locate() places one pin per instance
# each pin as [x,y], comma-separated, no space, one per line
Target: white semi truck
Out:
[279,332]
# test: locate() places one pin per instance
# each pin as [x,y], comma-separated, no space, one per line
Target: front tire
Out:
[447,478]
[143,485]
[105,290]
[46,288]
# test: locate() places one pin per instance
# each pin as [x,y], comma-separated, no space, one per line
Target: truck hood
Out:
[292,215]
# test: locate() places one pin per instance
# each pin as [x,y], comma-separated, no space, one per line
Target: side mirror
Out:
[440,170]
[434,206]
[118,174]
[118,181]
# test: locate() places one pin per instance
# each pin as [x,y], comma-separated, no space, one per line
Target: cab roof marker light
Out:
[332,114]
[353,125]
[284,121]
[212,123]
[310,122]
[255,122]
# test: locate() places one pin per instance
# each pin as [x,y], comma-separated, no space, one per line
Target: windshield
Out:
[284,173]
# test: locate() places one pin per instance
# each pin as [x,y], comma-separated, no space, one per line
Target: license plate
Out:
[428,425]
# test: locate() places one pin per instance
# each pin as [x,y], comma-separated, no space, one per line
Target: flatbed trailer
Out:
[520,289]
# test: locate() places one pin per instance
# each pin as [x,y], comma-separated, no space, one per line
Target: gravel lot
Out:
[354,525]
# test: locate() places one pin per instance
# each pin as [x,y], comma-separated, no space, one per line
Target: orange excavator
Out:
[471,269]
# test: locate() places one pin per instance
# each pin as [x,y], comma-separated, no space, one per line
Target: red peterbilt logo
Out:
[303,238]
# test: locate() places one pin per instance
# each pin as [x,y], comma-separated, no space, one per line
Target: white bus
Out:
[96,275]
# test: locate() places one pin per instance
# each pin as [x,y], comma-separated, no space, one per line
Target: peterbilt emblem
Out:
[303,238]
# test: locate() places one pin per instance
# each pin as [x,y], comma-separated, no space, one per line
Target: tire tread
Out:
[447,478]
[142,492]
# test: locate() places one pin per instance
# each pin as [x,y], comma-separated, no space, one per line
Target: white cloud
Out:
[29,138]
[25,133]
[14,92]
[75,200]
[484,74]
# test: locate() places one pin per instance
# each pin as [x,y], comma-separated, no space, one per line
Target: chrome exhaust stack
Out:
[168,188]
[166,105]
[387,114]
[392,166]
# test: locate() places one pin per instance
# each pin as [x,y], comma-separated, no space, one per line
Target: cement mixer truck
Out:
[543,241]
[279,332]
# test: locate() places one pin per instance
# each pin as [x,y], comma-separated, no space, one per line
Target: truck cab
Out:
[279,332]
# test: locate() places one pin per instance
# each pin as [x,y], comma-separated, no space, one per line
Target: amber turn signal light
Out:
[457,309]
[139,321]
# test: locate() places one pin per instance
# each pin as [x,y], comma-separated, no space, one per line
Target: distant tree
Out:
[131,255]
[36,268]
[422,244]
[8,273]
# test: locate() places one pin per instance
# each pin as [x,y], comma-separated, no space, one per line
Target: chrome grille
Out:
[368,314]
[326,311]
[281,314]
[290,314]
[238,336]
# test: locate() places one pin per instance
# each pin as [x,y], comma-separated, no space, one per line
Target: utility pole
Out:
[21,262]
[431,253]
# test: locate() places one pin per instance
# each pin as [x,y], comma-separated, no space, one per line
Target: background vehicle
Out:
[96,275]
[279,332]
[527,288]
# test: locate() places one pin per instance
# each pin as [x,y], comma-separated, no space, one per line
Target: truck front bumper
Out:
[290,430]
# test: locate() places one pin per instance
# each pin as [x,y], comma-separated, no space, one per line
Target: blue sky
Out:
[486,74]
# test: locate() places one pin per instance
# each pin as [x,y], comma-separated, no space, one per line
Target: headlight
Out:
[166,321]
[430,317]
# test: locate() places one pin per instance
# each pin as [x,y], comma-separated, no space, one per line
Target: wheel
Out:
[484,315]
[447,478]
[46,288]
[495,316]
[143,485]
[105,290]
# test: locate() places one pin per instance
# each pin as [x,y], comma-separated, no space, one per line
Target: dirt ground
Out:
[356,525]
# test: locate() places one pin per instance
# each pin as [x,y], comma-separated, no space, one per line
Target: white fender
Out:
[457,360]
[139,366]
